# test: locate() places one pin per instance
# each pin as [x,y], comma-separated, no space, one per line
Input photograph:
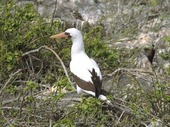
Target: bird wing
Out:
[86,73]
[97,69]
[83,84]
[81,66]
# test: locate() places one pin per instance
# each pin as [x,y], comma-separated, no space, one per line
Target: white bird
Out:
[85,70]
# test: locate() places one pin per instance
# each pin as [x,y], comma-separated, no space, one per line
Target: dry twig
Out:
[129,70]
[46,47]
[9,80]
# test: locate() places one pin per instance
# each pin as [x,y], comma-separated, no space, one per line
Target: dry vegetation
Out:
[32,65]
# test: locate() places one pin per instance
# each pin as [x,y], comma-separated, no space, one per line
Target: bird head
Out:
[72,33]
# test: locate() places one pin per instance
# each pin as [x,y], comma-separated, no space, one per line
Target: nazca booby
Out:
[85,70]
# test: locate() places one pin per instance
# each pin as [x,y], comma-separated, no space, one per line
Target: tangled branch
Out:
[9,80]
[51,50]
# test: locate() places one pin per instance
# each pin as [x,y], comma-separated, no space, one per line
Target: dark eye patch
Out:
[68,34]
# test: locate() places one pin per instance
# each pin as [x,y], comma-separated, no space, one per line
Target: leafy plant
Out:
[21,30]
[165,55]
[98,49]
[88,112]
[166,39]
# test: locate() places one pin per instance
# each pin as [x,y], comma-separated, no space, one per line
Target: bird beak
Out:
[61,35]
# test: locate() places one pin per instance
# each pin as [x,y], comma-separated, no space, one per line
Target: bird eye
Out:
[68,34]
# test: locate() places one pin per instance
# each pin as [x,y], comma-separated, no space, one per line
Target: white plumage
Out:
[81,65]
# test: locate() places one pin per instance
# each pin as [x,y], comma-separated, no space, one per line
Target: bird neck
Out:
[77,48]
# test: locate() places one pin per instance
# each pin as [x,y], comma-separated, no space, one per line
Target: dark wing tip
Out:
[96,82]
[150,53]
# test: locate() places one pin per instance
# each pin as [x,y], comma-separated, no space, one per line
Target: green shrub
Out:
[165,55]
[22,29]
[107,58]
[88,112]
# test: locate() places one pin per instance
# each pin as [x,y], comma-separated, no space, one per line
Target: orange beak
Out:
[61,35]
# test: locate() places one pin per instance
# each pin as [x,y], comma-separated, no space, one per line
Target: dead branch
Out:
[18,108]
[9,80]
[62,64]
[120,116]
[32,51]
[129,70]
